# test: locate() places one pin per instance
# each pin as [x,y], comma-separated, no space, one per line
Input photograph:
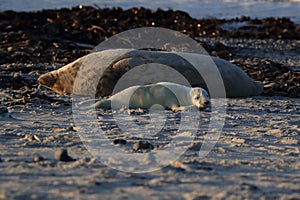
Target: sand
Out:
[256,156]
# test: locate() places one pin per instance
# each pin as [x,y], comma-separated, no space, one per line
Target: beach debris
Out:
[289,140]
[31,138]
[238,140]
[119,141]
[37,157]
[62,155]
[142,145]
[180,166]
[3,111]
[274,132]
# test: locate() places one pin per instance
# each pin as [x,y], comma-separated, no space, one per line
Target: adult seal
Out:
[113,64]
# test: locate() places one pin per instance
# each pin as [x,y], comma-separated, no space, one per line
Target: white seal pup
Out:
[170,96]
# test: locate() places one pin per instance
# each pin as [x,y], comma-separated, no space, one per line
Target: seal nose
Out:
[47,79]
[207,102]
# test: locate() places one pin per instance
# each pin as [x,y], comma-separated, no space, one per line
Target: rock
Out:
[142,145]
[238,140]
[274,132]
[180,166]
[37,157]
[288,140]
[32,138]
[62,155]
[3,110]
[119,141]
[51,28]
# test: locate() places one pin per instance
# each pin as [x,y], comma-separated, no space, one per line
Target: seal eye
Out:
[197,97]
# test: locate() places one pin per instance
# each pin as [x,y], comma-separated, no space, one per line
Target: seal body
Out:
[107,67]
[170,96]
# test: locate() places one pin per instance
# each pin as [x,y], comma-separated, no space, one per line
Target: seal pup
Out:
[170,96]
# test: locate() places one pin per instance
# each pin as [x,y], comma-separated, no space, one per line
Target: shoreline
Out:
[196,9]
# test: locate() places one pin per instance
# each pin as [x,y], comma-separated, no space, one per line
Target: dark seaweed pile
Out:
[61,36]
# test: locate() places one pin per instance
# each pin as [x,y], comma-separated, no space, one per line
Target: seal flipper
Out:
[104,104]
[94,103]
[176,108]
[88,104]
[259,87]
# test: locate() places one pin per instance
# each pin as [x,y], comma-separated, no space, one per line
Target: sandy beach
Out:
[256,157]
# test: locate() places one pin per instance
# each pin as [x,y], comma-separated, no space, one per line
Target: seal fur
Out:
[237,83]
[170,96]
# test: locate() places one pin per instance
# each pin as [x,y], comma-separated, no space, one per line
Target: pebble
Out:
[142,145]
[238,140]
[274,132]
[9,49]
[180,166]
[3,110]
[288,140]
[119,141]
[32,138]
[62,155]
[37,157]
